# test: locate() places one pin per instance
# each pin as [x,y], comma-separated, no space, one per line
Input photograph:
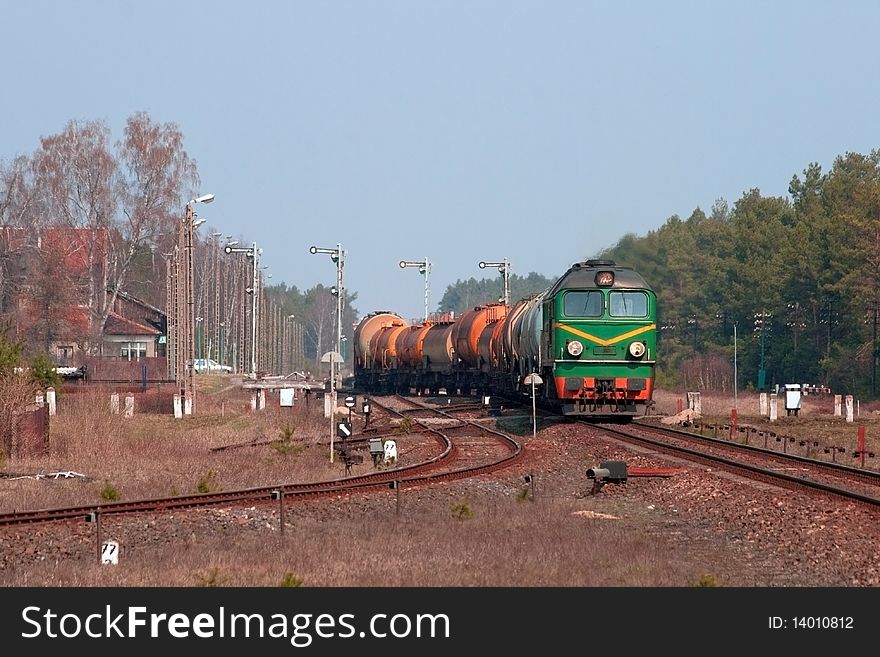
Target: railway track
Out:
[439,447]
[788,470]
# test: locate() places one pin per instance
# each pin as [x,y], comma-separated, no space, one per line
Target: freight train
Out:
[590,339]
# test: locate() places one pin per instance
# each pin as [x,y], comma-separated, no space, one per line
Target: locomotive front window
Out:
[628,304]
[583,304]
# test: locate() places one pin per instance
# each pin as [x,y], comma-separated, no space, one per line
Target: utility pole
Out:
[735,373]
[181,305]
[762,322]
[873,308]
[251,253]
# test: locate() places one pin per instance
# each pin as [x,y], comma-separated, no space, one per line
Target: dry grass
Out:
[565,539]
[151,455]
[505,544]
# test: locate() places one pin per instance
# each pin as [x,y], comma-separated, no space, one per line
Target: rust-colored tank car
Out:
[383,347]
[367,330]
[489,344]
[409,345]
[511,323]
[469,327]
[437,347]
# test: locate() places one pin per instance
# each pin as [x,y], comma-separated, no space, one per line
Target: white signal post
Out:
[534,380]
[424,269]
[504,269]
[337,255]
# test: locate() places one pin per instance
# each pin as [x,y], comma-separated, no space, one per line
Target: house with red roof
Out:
[57,283]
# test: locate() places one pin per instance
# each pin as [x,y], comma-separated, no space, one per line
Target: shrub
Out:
[43,372]
[286,432]
[210,579]
[291,581]
[10,352]
[462,510]
[208,483]
[284,445]
[110,493]
[707,581]
[405,426]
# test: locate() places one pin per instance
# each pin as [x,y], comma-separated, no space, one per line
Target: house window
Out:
[65,352]
[134,350]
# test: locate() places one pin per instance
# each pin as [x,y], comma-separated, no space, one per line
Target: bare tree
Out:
[122,206]
[16,213]
[155,174]
[17,194]
[75,176]
[320,318]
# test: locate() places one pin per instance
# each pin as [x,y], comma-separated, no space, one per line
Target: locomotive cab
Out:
[600,340]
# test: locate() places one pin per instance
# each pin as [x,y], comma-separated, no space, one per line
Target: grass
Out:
[471,533]
[505,544]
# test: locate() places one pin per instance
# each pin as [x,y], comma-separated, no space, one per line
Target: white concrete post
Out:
[114,402]
[129,405]
[694,403]
[849,408]
[763,409]
[774,411]
[261,399]
[254,401]
[50,399]
[187,404]
[837,405]
[178,409]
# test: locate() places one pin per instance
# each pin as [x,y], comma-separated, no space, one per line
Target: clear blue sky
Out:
[459,131]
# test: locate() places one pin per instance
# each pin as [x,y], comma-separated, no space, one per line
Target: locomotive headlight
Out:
[637,349]
[575,348]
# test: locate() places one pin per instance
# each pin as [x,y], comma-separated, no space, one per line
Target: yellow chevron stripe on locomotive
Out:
[610,341]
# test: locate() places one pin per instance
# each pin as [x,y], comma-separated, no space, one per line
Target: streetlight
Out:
[253,253]
[206,198]
[337,255]
[504,269]
[212,299]
[184,312]
[424,269]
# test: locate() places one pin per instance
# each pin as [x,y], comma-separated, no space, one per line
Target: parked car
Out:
[71,373]
[208,365]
